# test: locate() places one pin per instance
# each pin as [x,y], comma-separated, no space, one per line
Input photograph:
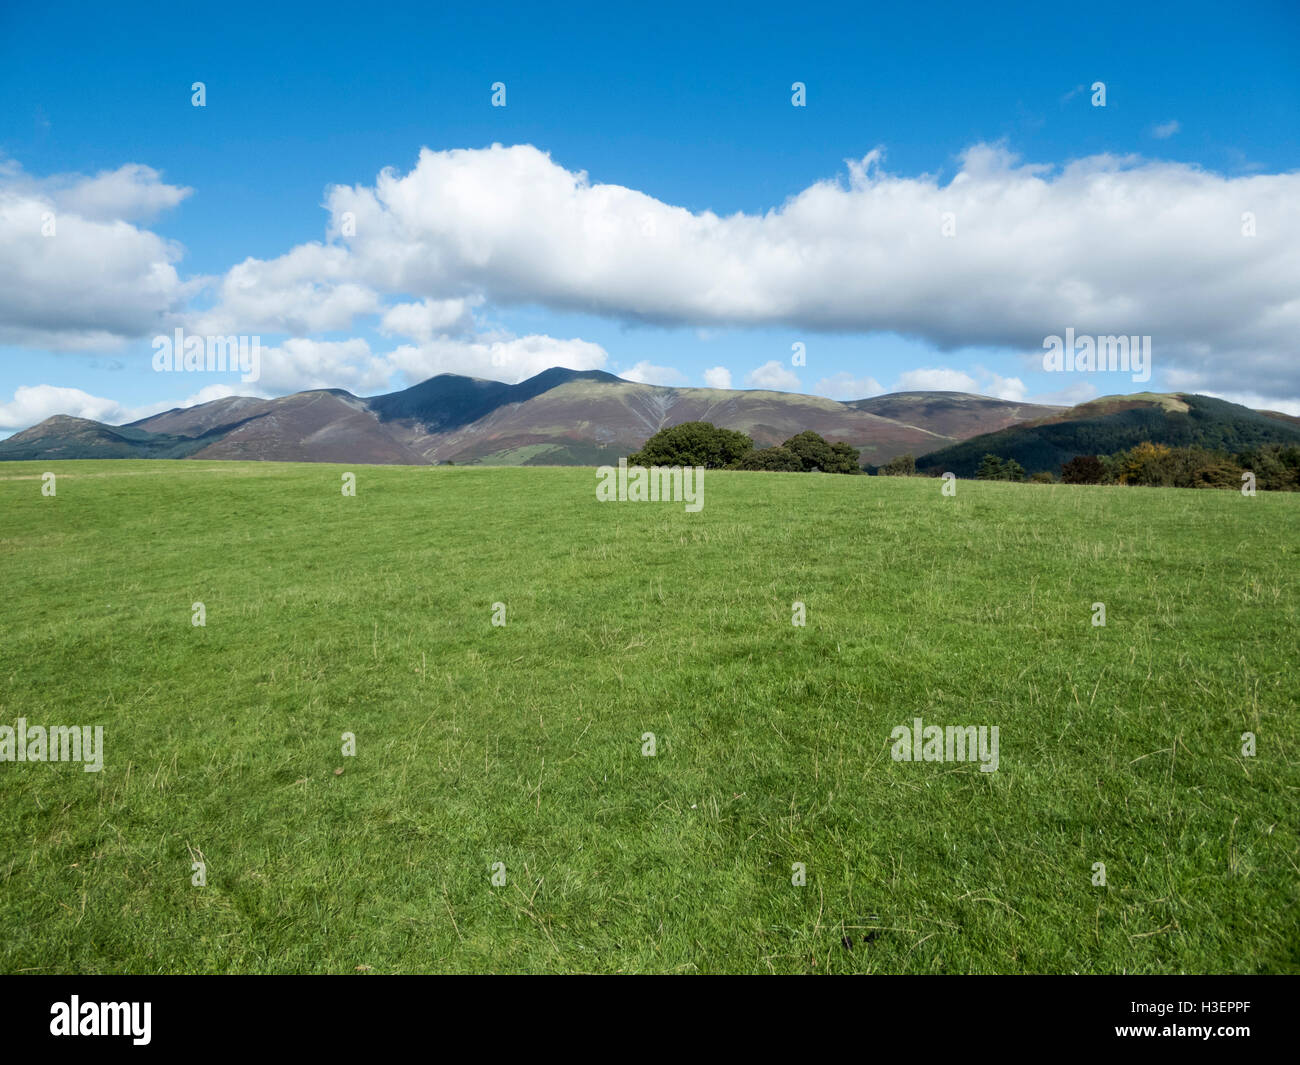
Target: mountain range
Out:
[560,417]
[567,417]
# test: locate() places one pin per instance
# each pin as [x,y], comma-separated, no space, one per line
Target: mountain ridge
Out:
[557,417]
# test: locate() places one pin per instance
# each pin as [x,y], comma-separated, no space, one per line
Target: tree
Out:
[848,459]
[990,469]
[1217,475]
[693,444]
[1147,464]
[777,459]
[1275,466]
[1083,469]
[903,466]
[817,454]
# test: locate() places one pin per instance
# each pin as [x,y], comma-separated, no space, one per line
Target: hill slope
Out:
[64,437]
[1113,423]
[582,420]
[953,414]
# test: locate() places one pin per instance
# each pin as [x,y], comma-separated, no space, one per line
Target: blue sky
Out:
[690,108]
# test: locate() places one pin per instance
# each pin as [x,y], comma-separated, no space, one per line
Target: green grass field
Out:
[522,744]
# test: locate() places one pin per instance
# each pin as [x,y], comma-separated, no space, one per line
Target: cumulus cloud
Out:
[847,386]
[774,375]
[1011,388]
[935,380]
[308,290]
[74,272]
[35,403]
[426,319]
[501,358]
[1107,245]
[32,404]
[717,377]
[301,363]
[1166,129]
[131,193]
[647,373]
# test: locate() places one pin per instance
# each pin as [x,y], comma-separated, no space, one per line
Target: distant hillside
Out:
[953,414]
[559,417]
[585,420]
[1113,423]
[63,437]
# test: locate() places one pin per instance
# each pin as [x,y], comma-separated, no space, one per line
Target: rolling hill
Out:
[1113,423]
[559,417]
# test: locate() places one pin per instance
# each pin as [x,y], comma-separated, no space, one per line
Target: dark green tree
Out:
[817,454]
[903,466]
[779,459]
[990,469]
[693,444]
[1083,469]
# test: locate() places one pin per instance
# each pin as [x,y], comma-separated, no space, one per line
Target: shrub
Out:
[1217,475]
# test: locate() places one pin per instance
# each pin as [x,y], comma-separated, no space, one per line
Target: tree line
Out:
[704,444]
[1276,467]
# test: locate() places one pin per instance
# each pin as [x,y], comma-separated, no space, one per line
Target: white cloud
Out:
[131,193]
[35,403]
[936,380]
[428,318]
[648,374]
[1011,388]
[1107,245]
[500,358]
[1070,396]
[1166,129]
[301,363]
[773,375]
[845,385]
[308,290]
[32,404]
[70,280]
[717,377]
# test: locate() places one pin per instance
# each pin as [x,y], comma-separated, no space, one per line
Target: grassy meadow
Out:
[522,744]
